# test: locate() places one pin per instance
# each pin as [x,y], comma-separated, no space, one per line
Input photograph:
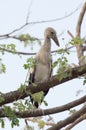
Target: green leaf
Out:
[46,104]
[8,47]
[15,122]
[54,64]
[76,40]
[1,99]
[38,97]
[2,68]
[41,124]
[11,47]
[11,116]
[30,63]
[60,51]
[22,88]
[2,123]
[84,82]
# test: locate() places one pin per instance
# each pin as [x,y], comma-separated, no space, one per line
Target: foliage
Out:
[41,123]
[22,105]
[2,123]
[62,63]
[63,66]
[22,88]
[38,97]
[11,116]
[84,82]
[2,67]
[30,63]
[63,51]
[28,127]
[76,40]
[28,39]
[9,47]
[1,99]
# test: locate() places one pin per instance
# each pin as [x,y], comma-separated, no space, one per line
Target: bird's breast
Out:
[43,67]
[42,72]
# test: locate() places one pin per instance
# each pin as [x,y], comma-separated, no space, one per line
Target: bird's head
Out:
[51,33]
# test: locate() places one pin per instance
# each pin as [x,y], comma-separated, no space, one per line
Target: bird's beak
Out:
[55,39]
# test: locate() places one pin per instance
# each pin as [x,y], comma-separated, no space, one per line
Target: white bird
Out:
[43,62]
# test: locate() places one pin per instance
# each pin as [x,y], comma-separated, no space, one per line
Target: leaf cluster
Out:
[9,47]
[11,116]
[28,39]
[29,63]
[2,67]
[76,40]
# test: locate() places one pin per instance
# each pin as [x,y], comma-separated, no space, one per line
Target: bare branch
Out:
[79,47]
[28,13]
[40,22]
[71,35]
[69,120]
[81,118]
[80,19]
[12,32]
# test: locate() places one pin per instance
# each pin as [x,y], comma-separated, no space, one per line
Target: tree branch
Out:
[43,112]
[26,53]
[79,47]
[69,120]
[81,118]
[80,19]
[53,81]
[39,22]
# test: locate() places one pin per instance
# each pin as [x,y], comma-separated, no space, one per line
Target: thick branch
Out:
[79,47]
[81,118]
[69,120]
[80,19]
[41,112]
[53,81]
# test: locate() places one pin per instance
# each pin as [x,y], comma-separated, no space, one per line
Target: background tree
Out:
[15,104]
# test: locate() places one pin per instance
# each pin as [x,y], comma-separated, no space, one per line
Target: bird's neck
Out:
[47,44]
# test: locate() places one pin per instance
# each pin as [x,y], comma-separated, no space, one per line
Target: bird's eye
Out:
[52,33]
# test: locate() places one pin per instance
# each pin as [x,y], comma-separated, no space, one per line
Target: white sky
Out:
[12,15]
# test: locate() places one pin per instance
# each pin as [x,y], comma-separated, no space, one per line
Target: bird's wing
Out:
[32,74]
[32,80]
[35,97]
[51,68]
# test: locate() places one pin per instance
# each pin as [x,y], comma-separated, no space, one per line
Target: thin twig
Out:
[40,22]
[34,53]
[71,35]
[28,13]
